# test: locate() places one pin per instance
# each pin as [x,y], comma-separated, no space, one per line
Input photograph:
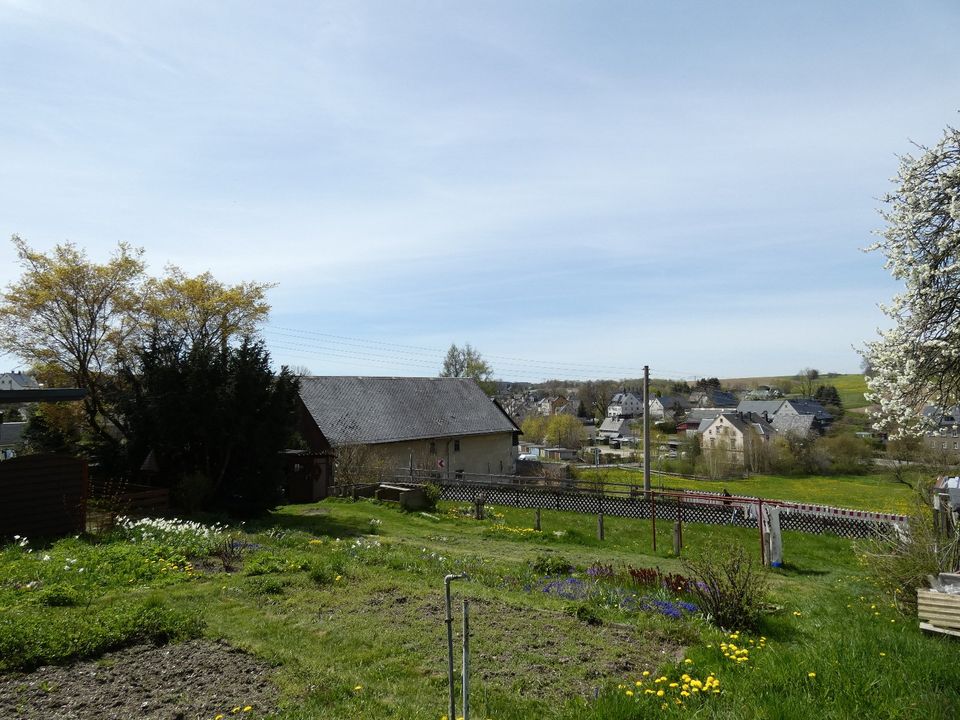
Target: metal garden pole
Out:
[452,707]
[466,660]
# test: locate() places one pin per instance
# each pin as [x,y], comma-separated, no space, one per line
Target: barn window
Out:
[456,446]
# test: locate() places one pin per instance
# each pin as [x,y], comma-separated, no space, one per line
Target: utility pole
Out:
[646,428]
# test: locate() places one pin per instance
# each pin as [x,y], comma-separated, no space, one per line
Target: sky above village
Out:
[578,189]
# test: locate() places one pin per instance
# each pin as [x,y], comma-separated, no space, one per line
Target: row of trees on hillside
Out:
[169,363]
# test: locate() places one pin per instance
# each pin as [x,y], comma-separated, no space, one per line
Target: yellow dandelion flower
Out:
[659,693]
[811,674]
[247,708]
[646,673]
[358,688]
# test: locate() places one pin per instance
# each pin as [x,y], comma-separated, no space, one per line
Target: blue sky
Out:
[577,189]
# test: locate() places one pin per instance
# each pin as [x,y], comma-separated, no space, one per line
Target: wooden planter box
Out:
[939,612]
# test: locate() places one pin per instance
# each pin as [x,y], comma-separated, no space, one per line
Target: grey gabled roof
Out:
[760,406]
[369,410]
[615,425]
[810,407]
[797,424]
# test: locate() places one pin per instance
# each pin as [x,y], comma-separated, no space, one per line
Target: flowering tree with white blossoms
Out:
[917,361]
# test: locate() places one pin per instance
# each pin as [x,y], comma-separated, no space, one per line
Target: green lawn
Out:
[345,598]
[859,492]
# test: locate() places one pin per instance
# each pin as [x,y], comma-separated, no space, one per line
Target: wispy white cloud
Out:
[499,173]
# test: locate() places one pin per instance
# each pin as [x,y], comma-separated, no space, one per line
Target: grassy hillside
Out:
[851,387]
[860,492]
[345,600]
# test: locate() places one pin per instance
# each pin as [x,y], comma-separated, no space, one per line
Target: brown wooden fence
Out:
[43,496]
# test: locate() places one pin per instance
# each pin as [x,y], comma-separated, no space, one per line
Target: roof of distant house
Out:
[617,425]
[670,402]
[810,407]
[369,410]
[716,398]
[698,414]
[797,424]
[18,381]
[760,406]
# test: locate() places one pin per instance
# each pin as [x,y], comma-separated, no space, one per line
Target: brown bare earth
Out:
[196,679]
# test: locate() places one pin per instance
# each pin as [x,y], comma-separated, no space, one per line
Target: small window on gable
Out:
[433,448]
[456,446]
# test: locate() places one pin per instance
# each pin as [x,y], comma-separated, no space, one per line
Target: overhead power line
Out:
[378,352]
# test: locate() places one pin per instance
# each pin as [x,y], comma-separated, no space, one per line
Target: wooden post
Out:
[679,522]
[536,521]
[653,517]
[676,539]
[600,526]
[763,554]
[646,428]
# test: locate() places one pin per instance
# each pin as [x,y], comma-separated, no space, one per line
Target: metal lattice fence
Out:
[631,501]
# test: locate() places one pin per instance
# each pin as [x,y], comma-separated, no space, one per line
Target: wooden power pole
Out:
[646,428]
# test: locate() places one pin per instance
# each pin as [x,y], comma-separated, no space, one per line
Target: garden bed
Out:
[184,681]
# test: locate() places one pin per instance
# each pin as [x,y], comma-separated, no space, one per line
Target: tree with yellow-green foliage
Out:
[76,321]
[561,430]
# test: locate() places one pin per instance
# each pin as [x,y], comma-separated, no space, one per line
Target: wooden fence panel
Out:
[43,496]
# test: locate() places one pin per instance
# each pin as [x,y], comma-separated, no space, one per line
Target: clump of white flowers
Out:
[918,360]
[189,537]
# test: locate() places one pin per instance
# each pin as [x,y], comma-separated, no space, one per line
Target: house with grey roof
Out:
[691,423]
[797,416]
[760,407]
[18,381]
[615,428]
[735,435]
[446,425]
[803,406]
[625,404]
[668,407]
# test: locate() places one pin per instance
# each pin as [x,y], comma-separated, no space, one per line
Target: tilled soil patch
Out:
[192,680]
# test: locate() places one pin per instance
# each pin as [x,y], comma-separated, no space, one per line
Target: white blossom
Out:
[917,361]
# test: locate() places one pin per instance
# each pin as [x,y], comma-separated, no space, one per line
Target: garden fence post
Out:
[763,555]
[536,522]
[653,517]
[600,526]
